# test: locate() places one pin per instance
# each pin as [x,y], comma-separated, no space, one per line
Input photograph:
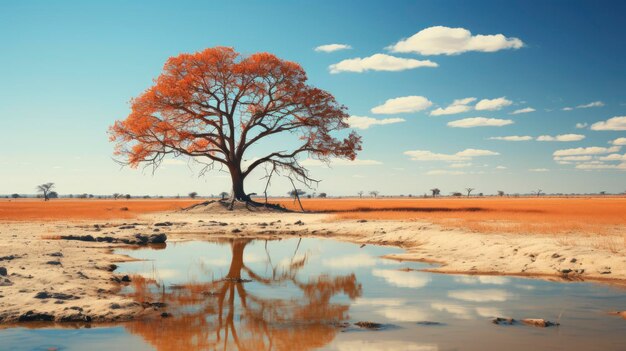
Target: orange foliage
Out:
[62,209]
[604,215]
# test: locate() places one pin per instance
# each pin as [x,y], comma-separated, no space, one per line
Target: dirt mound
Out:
[224,206]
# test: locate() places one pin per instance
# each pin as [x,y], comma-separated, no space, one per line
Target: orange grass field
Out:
[593,215]
[73,209]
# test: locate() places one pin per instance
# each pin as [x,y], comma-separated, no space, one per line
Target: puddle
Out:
[308,294]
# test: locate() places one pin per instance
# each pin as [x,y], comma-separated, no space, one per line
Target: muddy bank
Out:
[51,278]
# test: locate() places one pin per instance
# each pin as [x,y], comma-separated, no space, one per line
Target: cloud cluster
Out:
[493,104]
[615,123]
[561,137]
[479,122]
[589,105]
[465,155]
[332,47]
[440,40]
[379,62]
[404,104]
[513,138]
[523,110]
[592,158]
[457,106]
[364,122]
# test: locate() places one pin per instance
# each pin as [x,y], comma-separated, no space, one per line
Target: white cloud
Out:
[572,158]
[591,104]
[501,167]
[465,155]
[539,170]
[403,279]
[340,162]
[581,125]
[332,47]
[513,138]
[594,165]
[523,110]
[460,165]
[379,62]
[444,172]
[562,137]
[479,122]
[567,109]
[480,295]
[379,301]
[615,123]
[592,150]
[613,157]
[405,104]
[457,106]
[364,122]
[488,312]
[404,314]
[440,40]
[619,141]
[476,152]
[458,311]
[493,104]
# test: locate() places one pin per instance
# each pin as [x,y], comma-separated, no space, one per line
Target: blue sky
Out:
[69,68]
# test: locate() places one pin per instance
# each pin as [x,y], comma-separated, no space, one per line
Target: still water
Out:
[304,294]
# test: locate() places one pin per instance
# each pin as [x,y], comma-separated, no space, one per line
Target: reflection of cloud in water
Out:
[161,274]
[458,311]
[364,301]
[525,287]
[489,312]
[483,279]
[480,295]
[404,314]
[402,279]
[384,345]
[352,261]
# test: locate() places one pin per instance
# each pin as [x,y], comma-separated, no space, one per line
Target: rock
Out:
[3,272]
[538,322]
[154,305]
[56,254]
[8,258]
[163,224]
[604,270]
[362,221]
[78,237]
[573,260]
[115,306]
[165,315]
[58,296]
[299,222]
[32,316]
[368,325]
[236,230]
[555,255]
[619,313]
[126,279]
[503,321]
[429,323]
[126,227]
[566,271]
[54,263]
[76,317]
[5,282]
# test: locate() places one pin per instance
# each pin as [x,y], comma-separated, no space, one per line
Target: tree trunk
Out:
[237,192]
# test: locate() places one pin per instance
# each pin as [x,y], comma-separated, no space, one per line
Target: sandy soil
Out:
[82,288]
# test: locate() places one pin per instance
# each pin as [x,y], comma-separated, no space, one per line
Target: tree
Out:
[45,189]
[296,193]
[53,195]
[214,105]
[374,193]
[500,193]
[15,196]
[456,193]
[469,191]
[223,195]
[322,195]
[537,193]
[116,195]
[435,191]
[193,194]
[360,194]
[127,196]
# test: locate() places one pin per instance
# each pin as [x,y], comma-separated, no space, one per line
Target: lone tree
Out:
[214,105]
[435,191]
[500,193]
[360,194]
[469,191]
[223,195]
[45,189]
[374,193]
[193,194]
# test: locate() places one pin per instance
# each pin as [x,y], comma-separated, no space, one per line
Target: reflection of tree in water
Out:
[222,314]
